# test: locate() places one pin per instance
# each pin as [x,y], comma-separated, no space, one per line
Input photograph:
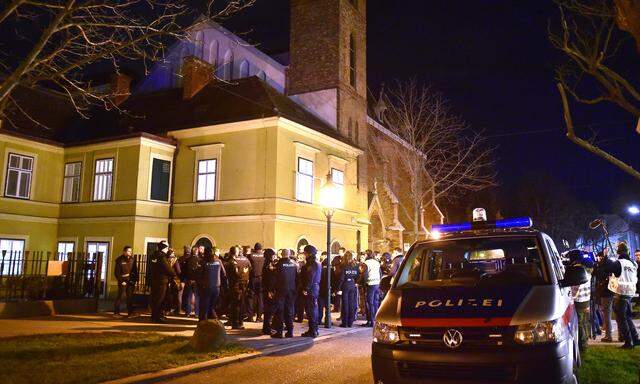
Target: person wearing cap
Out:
[285,294]
[622,282]
[254,293]
[311,289]
[161,272]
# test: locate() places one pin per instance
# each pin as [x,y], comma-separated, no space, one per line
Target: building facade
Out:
[221,144]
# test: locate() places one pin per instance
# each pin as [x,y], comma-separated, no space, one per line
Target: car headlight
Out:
[542,332]
[385,333]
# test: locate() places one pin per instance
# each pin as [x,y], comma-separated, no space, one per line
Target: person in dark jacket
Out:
[347,283]
[161,272]
[285,294]
[396,261]
[171,302]
[211,277]
[254,294]
[311,273]
[604,297]
[190,267]
[269,289]
[299,304]
[126,273]
[238,272]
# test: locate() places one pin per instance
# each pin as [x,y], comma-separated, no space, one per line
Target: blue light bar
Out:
[517,222]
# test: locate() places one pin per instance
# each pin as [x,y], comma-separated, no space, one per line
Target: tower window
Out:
[352,61]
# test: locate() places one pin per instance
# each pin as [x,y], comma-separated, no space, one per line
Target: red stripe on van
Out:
[456,322]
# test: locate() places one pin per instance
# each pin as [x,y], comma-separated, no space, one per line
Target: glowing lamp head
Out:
[479,214]
[331,195]
[436,235]
[633,210]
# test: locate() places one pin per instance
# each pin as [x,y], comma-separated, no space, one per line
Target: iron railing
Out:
[34,275]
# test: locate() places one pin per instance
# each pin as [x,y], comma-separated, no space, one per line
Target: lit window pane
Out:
[206,179]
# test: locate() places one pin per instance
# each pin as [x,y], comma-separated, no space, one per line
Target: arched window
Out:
[198,45]
[244,69]
[261,75]
[227,66]
[335,247]
[204,241]
[212,55]
[301,244]
[352,60]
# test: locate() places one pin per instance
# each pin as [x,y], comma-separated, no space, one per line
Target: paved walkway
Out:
[251,336]
[614,332]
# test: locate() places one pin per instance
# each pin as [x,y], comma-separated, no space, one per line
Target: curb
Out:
[164,374]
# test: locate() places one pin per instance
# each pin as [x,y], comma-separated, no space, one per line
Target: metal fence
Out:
[26,276]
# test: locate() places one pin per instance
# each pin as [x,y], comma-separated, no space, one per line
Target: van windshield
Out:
[489,260]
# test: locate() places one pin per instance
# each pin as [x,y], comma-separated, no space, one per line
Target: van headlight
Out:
[385,333]
[542,332]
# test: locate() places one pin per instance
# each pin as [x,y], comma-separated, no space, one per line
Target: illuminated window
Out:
[64,249]
[337,177]
[103,180]
[304,180]
[19,175]
[71,187]
[207,170]
[11,251]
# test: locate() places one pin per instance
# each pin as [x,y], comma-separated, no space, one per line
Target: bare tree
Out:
[60,39]
[439,154]
[591,38]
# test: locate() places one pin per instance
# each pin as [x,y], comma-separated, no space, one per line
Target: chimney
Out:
[120,88]
[196,74]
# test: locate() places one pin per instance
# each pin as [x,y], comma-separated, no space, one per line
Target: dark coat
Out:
[161,269]
[126,270]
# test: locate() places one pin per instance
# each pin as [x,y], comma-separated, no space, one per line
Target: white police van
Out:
[480,302]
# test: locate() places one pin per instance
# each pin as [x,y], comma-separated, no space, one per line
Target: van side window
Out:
[555,260]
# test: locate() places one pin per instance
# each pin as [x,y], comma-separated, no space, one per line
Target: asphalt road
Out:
[345,359]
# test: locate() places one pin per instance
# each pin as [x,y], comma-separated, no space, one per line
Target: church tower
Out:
[328,66]
[328,63]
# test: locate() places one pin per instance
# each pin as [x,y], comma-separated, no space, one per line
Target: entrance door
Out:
[93,248]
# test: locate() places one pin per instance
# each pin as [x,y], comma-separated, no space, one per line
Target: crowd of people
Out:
[275,288]
[613,284]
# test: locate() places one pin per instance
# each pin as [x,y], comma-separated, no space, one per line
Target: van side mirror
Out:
[574,275]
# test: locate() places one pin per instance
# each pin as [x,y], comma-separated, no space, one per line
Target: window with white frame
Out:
[64,248]
[11,255]
[71,188]
[207,172]
[19,176]
[103,180]
[304,180]
[337,176]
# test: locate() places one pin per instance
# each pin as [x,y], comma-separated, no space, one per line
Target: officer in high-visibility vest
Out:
[623,280]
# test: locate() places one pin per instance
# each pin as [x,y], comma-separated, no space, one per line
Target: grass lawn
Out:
[608,364]
[95,357]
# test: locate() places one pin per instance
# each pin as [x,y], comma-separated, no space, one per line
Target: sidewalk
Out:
[614,332]
[251,336]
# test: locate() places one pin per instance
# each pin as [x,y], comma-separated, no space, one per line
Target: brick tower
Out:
[328,63]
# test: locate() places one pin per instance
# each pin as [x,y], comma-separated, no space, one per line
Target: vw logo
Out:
[452,338]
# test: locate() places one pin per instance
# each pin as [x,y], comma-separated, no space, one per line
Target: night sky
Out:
[493,61]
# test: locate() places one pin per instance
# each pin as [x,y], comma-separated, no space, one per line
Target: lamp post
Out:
[330,199]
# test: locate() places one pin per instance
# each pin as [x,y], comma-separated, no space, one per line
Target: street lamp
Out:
[633,210]
[330,199]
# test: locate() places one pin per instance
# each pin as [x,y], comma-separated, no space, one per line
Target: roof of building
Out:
[159,112]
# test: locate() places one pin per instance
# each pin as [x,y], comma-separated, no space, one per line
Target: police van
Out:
[479,302]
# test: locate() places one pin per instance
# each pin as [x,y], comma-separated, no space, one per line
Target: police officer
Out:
[239,273]
[126,272]
[211,277]
[347,284]
[311,273]
[269,289]
[256,258]
[190,267]
[285,294]
[161,272]
[623,280]
[322,298]
[372,285]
